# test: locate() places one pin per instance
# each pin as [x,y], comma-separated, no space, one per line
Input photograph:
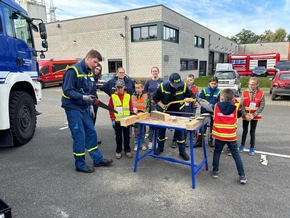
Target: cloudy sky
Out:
[226,17]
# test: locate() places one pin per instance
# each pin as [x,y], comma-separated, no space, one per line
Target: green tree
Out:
[280,35]
[288,38]
[246,37]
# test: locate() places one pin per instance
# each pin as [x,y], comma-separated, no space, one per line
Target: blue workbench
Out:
[181,125]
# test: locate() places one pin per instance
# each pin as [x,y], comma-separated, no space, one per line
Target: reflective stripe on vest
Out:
[125,106]
[79,75]
[224,126]
[141,103]
[247,100]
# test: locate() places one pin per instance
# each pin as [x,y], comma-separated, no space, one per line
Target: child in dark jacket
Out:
[225,132]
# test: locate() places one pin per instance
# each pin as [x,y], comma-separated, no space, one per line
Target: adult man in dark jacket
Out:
[77,103]
[173,90]
[110,86]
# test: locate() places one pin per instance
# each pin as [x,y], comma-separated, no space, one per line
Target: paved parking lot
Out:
[39,180]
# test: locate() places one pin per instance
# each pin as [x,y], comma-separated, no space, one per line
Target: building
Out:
[139,39]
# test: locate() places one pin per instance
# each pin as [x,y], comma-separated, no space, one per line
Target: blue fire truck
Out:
[20,89]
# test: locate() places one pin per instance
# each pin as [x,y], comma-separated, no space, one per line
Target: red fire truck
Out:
[245,63]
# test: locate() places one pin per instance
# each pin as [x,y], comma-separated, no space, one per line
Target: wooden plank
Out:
[194,123]
[160,116]
[143,116]
[127,121]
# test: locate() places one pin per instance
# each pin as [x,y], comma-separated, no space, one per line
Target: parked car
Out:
[260,71]
[280,84]
[229,79]
[105,78]
[52,71]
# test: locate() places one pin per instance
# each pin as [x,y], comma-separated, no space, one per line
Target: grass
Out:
[264,81]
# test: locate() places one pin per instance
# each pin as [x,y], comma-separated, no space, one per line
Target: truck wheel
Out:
[22,117]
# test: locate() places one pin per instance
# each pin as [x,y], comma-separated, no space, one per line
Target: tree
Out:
[246,37]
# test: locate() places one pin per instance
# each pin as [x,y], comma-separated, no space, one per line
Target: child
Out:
[253,103]
[209,95]
[190,108]
[238,106]
[225,132]
[121,102]
[141,102]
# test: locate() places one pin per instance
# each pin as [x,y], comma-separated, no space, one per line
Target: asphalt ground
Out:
[39,179]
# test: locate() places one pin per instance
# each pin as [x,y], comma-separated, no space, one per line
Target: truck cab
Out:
[19,86]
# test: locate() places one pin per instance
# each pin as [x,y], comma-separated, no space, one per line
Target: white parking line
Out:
[65,127]
[271,154]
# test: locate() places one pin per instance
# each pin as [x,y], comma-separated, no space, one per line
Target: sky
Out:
[226,17]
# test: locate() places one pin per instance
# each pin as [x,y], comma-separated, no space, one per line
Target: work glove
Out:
[92,112]
[90,98]
[165,107]
[113,124]
[135,110]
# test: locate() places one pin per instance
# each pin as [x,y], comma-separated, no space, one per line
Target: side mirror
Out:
[42,31]
[44,44]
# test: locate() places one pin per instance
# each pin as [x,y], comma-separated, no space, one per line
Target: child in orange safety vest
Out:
[141,103]
[253,103]
[225,132]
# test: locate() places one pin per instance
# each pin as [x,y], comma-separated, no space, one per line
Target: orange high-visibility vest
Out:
[224,126]
[141,103]
[248,100]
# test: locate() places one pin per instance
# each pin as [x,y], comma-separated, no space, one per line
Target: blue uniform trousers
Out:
[84,137]
[180,139]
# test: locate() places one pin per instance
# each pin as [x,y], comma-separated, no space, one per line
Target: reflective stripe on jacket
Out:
[125,106]
[247,100]
[179,94]
[224,126]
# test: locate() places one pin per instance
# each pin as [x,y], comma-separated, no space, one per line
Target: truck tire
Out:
[22,117]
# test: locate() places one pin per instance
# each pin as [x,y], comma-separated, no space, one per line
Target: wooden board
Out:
[160,116]
[127,121]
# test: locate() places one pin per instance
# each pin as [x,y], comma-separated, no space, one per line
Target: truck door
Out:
[25,60]
[7,54]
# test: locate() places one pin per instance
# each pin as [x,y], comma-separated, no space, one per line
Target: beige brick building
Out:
[139,39]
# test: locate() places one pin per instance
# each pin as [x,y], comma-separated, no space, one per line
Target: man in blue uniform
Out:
[173,90]
[77,103]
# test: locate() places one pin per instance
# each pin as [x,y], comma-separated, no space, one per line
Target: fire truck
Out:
[20,90]
[245,63]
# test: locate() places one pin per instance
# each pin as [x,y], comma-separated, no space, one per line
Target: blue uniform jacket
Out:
[172,94]
[75,85]
[109,87]
[209,95]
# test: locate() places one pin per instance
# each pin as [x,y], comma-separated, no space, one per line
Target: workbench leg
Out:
[191,144]
[204,146]
[138,147]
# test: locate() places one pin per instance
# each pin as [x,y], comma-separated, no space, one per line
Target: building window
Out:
[198,42]
[188,64]
[170,34]
[144,33]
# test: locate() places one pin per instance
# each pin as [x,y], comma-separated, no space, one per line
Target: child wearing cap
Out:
[122,103]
